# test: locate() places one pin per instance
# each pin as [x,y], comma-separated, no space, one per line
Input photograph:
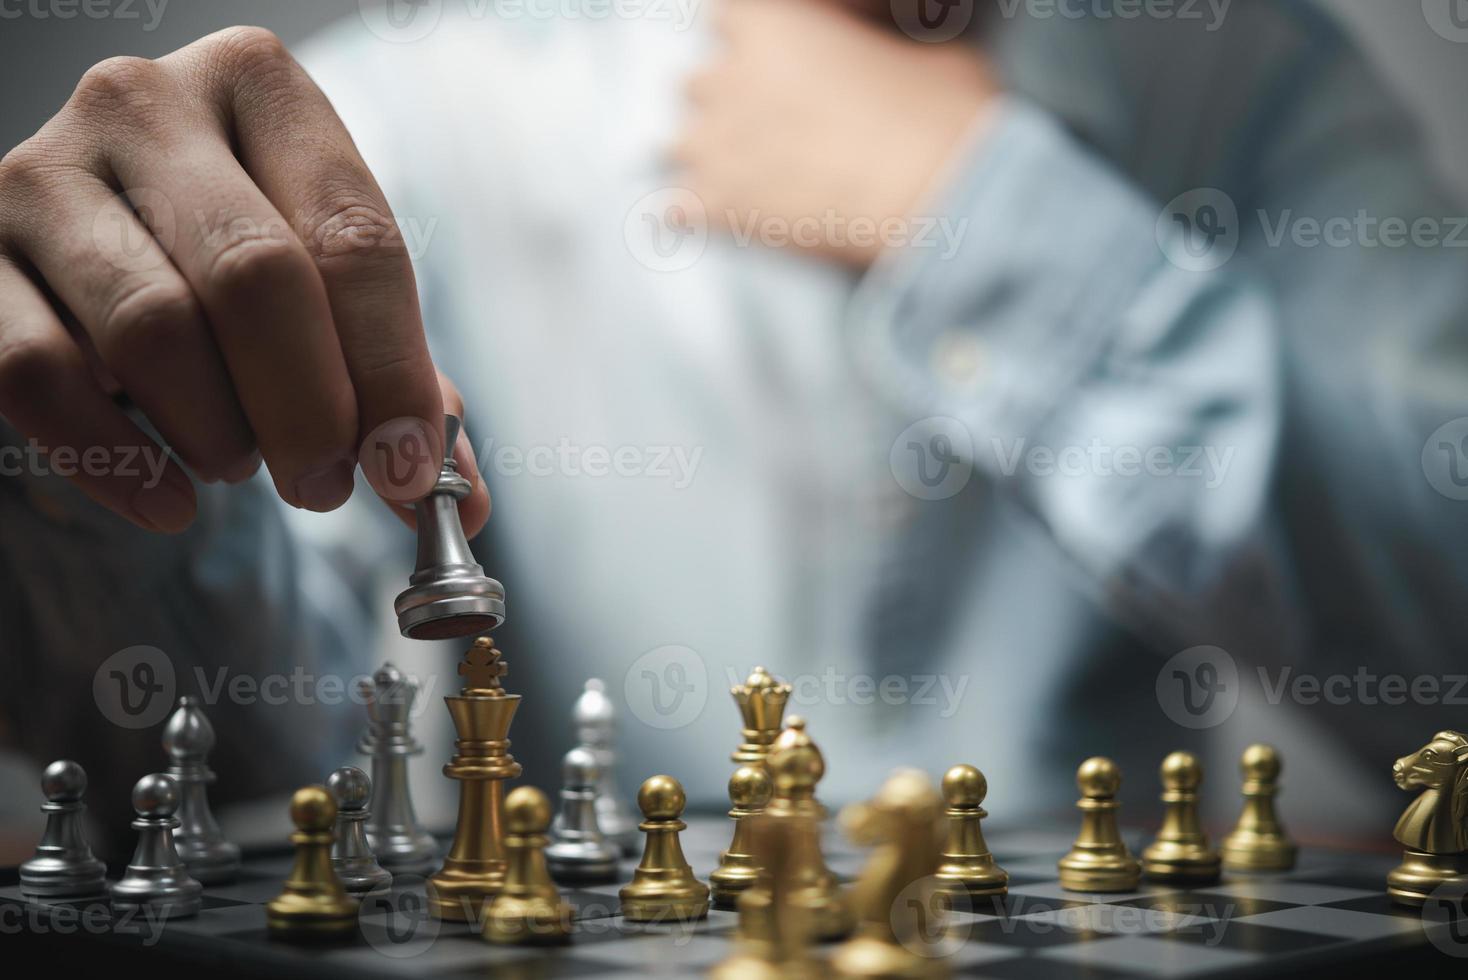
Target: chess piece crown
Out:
[448,594]
[761,700]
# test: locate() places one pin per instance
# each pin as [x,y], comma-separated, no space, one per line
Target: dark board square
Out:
[215,902]
[1250,938]
[1379,904]
[1024,933]
[542,966]
[1034,968]
[1204,904]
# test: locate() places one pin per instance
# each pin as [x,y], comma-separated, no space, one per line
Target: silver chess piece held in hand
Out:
[448,594]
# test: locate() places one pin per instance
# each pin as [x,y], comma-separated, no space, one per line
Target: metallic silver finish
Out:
[579,851]
[596,730]
[156,879]
[448,595]
[64,867]
[188,738]
[358,870]
[393,833]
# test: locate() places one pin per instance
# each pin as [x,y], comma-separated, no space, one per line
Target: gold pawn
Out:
[796,765]
[473,871]
[773,939]
[663,886]
[968,866]
[528,910]
[749,793]
[314,904]
[1180,854]
[1099,860]
[1258,841]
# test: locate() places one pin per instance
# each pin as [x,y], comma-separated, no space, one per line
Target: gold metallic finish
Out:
[1434,827]
[1099,860]
[474,869]
[895,892]
[663,887]
[1258,841]
[313,903]
[1181,853]
[749,793]
[796,765]
[528,911]
[773,940]
[761,699]
[968,867]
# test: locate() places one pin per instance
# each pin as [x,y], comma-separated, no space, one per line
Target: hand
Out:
[814,116]
[247,290]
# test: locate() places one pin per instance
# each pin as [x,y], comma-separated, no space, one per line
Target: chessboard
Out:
[1328,917]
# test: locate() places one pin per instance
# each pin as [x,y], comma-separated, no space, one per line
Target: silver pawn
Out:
[188,738]
[580,852]
[448,594]
[358,870]
[392,827]
[156,879]
[64,867]
[596,727]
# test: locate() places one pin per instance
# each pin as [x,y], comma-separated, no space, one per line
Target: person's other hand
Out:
[817,124]
[199,234]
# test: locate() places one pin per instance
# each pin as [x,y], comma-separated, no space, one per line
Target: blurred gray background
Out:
[41,56]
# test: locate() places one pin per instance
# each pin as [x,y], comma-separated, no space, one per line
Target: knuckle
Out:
[250,262]
[121,80]
[146,320]
[250,51]
[349,225]
[31,364]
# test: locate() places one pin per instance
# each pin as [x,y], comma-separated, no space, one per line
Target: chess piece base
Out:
[186,900]
[527,922]
[973,878]
[873,959]
[665,908]
[1088,871]
[582,863]
[727,883]
[1420,873]
[403,854]
[297,917]
[458,894]
[1181,864]
[49,878]
[1250,852]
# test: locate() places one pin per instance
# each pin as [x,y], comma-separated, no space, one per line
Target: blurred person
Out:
[830,448]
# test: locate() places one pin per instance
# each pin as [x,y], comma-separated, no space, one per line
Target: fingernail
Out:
[165,507]
[327,488]
[400,460]
[243,470]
